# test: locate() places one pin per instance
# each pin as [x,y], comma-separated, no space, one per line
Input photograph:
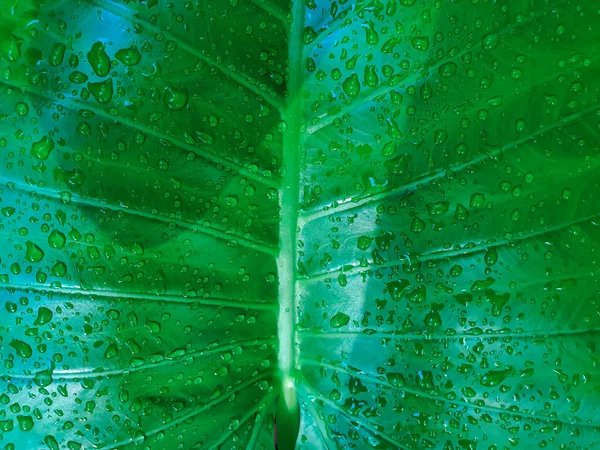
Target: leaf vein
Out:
[230,238]
[437,397]
[127,14]
[489,334]
[355,269]
[368,425]
[125,371]
[349,205]
[76,106]
[172,299]
[385,89]
[273,10]
[195,412]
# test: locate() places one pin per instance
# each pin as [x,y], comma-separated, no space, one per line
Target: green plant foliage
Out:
[375,220]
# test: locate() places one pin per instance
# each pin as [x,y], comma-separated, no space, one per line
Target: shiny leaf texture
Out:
[381,214]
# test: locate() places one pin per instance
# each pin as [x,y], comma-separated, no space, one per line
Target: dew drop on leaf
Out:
[26,423]
[351,85]
[175,99]
[42,148]
[23,349]
[43,378]
[51,442]
[22,109]
[44,316]
[129,56]
[102,91]
[339,320]
[397,288]
[364,242]
[57,54]
[495,377]
[490,41]
[397,380]
[78,77]
[56,239]
[420,43]
[33,253]
[448,70]
[98,59]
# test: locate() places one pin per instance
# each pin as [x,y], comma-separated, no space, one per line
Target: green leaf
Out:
[373,222]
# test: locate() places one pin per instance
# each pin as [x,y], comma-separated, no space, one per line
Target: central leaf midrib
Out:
[287,414]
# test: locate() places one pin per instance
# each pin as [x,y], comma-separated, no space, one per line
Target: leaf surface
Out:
[374,220]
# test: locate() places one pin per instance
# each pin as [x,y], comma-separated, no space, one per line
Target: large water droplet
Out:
[99,60]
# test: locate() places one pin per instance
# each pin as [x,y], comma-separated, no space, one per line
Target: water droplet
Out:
[339,320]
[477,200]
[56,239]
[43,378]
[42,148]
[438,208]
[51,442]
[490,41]
[495,377]
[335,395]
[495,101]
[25,422]
[231,201]
[309,35]
[153,327]
[205,138]
[498,301]
[129,56]
[371,78]
[78,77]
[351,85]
[57,54]
[491,257]
[448,70]
[111,351]
[23,349]
[175,99]
[33,253]
[371,37]
[102,91]
[417,225]
[44,316]
[426,91]
[461,212]
[433,320]
[516,73]
[417,295]
[8,211]
[420,43]
[99,60]
[396,379]
[364,242]
[22,109]
[59,269]
[397,288]
[469,392]
[440,137]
